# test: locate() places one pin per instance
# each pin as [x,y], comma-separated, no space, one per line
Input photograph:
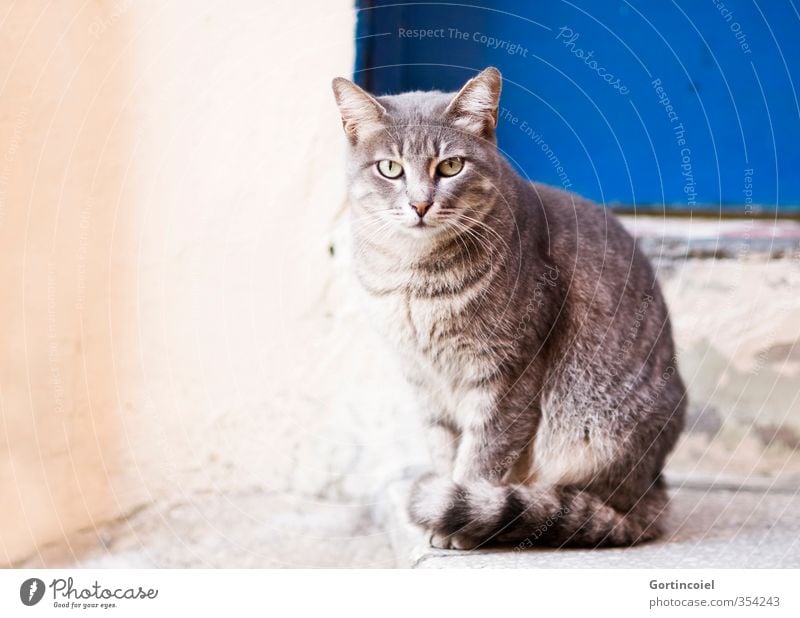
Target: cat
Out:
[528,322]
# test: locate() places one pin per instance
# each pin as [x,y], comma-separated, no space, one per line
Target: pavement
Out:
[711,525]
[242,529]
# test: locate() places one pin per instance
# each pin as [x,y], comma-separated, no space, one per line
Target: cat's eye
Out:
[451,166]
[390,169]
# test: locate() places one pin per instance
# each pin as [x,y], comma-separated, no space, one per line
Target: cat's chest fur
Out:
[442,339]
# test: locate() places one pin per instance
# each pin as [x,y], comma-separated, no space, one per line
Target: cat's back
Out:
[579,226]
[608,284]
[588,242]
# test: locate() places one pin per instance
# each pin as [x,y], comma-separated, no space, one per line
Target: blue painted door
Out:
[648,104]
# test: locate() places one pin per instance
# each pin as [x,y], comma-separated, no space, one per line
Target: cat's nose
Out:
[421,208]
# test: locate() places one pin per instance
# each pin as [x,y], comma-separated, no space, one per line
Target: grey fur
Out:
[528,322]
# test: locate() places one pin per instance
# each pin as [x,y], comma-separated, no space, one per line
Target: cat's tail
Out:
[471,514]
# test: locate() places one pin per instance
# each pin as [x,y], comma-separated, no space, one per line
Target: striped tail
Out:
[464,516]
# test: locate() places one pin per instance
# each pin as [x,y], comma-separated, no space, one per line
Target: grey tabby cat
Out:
[529,323]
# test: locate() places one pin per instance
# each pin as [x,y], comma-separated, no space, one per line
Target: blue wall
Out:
[586,87]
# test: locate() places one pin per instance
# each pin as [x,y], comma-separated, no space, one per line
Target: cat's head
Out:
[421,163]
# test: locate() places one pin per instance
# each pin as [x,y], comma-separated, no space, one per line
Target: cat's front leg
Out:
[493,438]
[443,438]
[491,441]
[441,434]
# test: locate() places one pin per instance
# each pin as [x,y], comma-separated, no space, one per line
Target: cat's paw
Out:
[452,541]
[440,506]
[457,516]
[431,500]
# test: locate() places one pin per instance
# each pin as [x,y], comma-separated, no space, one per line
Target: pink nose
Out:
[421,208]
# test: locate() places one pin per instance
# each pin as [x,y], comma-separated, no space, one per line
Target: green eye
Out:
[451,166]
[390,169]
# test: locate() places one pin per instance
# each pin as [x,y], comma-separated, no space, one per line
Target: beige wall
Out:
[165,199]
[65,137]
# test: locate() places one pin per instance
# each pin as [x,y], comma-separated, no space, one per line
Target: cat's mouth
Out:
[417,225]
[423,227]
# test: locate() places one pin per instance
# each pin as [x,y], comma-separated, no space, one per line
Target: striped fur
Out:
[528,323]
[467,516]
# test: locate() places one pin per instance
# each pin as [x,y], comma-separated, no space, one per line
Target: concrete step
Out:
[709,527]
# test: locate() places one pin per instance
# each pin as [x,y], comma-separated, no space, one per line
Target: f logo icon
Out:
[31,591]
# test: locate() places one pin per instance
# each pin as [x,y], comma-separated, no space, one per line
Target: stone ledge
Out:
[710,527]
[698,238]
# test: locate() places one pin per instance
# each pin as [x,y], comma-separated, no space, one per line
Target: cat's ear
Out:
[474,108]
[361,112]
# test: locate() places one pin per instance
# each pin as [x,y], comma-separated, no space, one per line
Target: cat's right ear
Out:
[475,107]
[361,112]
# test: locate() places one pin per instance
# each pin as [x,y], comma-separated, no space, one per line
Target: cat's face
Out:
[421,164]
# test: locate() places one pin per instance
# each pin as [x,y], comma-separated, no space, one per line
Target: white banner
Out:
[409,594]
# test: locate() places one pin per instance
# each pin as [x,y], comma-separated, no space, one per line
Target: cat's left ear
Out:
[361,112]
[474,108]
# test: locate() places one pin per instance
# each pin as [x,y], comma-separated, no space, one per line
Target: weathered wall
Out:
[734,292]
